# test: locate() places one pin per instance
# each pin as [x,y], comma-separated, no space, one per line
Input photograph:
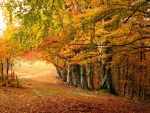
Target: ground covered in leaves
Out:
[41,92]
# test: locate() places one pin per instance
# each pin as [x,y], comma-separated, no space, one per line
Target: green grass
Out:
[58,92]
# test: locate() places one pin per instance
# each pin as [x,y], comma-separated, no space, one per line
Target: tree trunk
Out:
[139,92]
[107,82]
[69,75]
[2,69]
[131,86]
[57,68]
[84,84]
[64,74]
[139,89]
[123,89]
[124,83]
[144,92]
[126,72]
[58,73]
[7,66]
[149,93]
[107,78]
[76,75]
[90,76]
[131,90]
[118,78]
[98,79]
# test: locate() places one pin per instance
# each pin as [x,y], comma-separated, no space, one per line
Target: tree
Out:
[73,34]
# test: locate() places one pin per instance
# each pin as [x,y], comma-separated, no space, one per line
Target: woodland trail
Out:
[41,92]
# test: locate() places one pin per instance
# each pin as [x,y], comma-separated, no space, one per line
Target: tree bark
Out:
[131,86]
[58,73]
[2,69]
[149,93]
[139,89]
[144,92]
[7,66]
[64,74]
[84,84]
[57,68]
[69,75]
[107,78]
[90,76]
[131,90]
[76,75]
[118,78]
[139,92]
[107,82]
[99,71]
[124,88]
[125,81]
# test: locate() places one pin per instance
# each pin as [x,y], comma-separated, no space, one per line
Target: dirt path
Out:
[41,92]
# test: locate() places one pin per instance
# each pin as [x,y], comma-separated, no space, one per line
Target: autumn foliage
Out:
[94,44]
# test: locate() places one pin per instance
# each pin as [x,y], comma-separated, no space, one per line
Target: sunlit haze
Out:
[2,24]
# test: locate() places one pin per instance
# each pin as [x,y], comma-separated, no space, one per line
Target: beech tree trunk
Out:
[123,88]
[84,84]
[76,75]
[107,78]
[131,86]
[57,69]
[107,82]
[58,73]
[139,92]
[131,90]
[125,81]
[139,89]
[7,66]
[144,92]
[99,71]
[144,69]
[118,78]
[69,75]
[2,69]
[90,76]
[149,93]
[64,74]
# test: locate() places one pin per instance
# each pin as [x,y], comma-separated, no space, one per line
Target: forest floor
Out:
[42,92]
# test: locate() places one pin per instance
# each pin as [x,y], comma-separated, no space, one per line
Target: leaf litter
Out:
[48,94]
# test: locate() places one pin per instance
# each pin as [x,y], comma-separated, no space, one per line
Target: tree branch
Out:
[129,43]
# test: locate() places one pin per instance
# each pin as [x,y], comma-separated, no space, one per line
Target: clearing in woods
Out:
[41,92]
